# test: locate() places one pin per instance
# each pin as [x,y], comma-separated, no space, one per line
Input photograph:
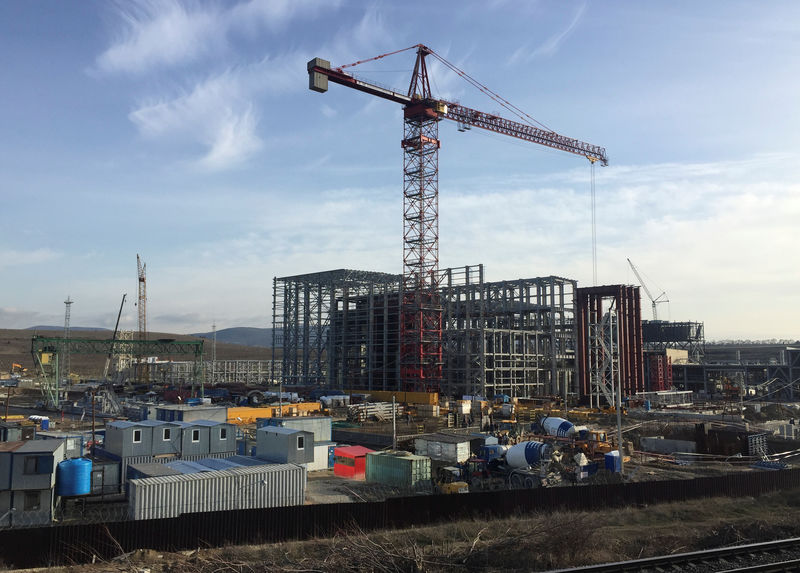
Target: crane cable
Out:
[594,226]
[496,97]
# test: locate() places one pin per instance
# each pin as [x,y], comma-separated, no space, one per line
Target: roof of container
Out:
[192,424]
[352,451]
[31,446]
[188,407]
[154,469]
[186,467]
[209,423]
[60,434]
[282,430]
[248,461]
[152,423]
[399,454]
[218,463]
[446,438]
[211,475]
[122,424]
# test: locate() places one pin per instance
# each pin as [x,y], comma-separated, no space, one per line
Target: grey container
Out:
[320,426]
[285,445]
[399,469]
[255,487]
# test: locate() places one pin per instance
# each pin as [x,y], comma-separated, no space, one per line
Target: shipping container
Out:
[444,447]
[398,469]
[255,487]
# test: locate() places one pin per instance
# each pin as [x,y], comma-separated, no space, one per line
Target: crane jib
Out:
[320,72]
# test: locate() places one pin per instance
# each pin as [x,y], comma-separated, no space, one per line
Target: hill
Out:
[15,347]
[244,335]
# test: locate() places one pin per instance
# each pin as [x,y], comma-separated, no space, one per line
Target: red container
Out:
[350,461]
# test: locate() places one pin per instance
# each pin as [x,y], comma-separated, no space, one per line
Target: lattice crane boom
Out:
[320,72]
[655,301]
[421,311]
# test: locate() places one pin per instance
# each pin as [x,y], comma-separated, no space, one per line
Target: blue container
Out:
[45,424]
[613,461]
[491,452]
[74,477]
[647,405]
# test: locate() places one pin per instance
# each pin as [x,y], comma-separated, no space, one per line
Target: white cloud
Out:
[14,259]
[549,47]
[161,33]
[220,112]
[156,34]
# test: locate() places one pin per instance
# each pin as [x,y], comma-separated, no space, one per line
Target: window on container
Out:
[32,501]
[195,435]
[137,436]
[167,434]
[301,442]
[31,465]
[223,433]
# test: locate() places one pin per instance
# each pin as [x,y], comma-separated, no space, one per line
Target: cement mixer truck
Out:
[592,443]
[518,468]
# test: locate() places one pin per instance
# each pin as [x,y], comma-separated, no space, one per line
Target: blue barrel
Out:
[45,424]
[74,477]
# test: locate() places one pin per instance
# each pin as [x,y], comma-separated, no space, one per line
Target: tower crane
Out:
[143,373]
[655,301]
[420,309]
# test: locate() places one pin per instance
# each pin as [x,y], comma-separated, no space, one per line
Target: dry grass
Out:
[517,543]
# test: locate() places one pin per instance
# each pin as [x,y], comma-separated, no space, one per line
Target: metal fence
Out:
[68,544]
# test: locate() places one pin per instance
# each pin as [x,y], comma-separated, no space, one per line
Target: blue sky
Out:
[185,132]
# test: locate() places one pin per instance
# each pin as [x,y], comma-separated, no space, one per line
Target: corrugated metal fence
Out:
[67,544]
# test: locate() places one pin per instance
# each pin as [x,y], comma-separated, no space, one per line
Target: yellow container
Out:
[429,398]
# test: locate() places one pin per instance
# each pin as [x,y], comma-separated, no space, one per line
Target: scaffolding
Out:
[342,329]
[246,372]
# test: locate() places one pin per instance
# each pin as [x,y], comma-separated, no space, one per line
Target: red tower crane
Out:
[420,309]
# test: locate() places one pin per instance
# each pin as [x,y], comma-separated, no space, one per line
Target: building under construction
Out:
[341,329]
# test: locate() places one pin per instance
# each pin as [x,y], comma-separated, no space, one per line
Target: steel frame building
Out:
[610,334]
[342,329]
[658,335]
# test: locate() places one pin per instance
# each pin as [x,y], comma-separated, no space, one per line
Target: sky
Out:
[184,131]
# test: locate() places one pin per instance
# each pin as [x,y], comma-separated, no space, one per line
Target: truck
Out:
[592,443]
[519,467]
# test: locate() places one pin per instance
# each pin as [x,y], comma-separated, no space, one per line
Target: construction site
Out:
[430,382]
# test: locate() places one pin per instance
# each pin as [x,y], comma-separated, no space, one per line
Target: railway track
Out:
[768,557]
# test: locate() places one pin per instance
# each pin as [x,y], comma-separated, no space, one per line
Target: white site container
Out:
[443,448]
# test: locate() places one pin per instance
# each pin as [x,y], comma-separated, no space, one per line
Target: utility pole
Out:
[214,354]
[65,364]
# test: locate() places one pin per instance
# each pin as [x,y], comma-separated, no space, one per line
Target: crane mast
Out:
[420,307]
[142,372]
